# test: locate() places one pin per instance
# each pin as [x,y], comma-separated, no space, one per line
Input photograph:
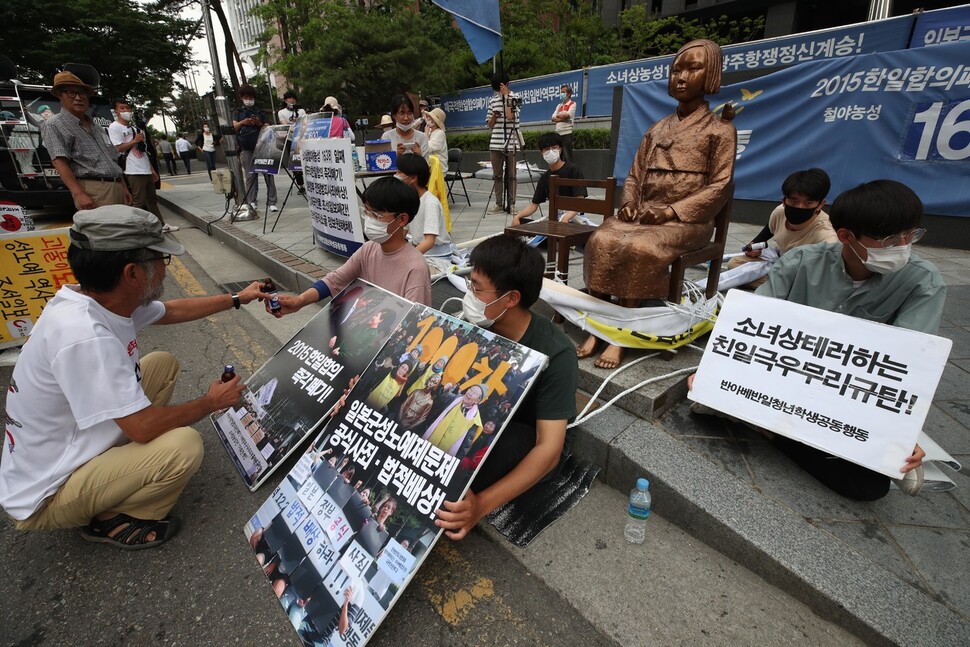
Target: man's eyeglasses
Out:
[473,289]
[74,93]
[905,238]
[165,258]
[379,216]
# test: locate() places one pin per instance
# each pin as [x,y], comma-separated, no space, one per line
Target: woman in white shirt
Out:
[437,141]
[403,137]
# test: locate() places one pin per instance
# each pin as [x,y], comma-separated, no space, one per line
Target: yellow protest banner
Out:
[33,267]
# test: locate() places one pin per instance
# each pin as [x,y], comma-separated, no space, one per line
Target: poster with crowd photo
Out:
[315,125]
[268,156]
[289,395]
[346,530]
[854,388]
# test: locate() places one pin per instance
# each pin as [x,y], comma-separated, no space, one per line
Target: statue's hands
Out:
[657,214]
[627,214]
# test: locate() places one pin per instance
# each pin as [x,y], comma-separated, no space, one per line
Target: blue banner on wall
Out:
[863,38]
[540,96]
[942,26]
[901,115]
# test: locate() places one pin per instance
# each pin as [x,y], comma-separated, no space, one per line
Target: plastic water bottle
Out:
[639,510]
[356,158]
[751,247]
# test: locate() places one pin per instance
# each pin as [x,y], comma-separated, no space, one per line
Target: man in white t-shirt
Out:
[129,141]
[90,438]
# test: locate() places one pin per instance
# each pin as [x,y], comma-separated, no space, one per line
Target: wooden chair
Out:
[563,235]
[712,252]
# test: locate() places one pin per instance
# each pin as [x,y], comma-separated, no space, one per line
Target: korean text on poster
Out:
[853,388]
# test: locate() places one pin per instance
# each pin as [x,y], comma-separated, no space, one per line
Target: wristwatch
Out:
[236,302]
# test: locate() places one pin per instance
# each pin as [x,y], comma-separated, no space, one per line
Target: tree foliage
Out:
[138,49]
[362,56]
[642,36]
[365,52]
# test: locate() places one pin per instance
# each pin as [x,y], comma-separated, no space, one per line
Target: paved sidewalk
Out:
[893,571]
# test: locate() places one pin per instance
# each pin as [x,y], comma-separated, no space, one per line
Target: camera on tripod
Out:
[515,102]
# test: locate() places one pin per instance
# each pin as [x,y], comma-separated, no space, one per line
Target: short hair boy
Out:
[505,281]
[428,231]
[798,220]
[386,260]
[551,147]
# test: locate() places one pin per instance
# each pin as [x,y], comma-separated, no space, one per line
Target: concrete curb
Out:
[771,540]
[841,584]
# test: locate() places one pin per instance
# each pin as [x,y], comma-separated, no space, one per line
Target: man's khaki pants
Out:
[143,480]
[104,193]
[143,194]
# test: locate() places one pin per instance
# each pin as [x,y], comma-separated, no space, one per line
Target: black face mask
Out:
[796,216]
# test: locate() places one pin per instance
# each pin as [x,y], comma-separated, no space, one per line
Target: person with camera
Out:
[248,120]
[131,143]
[503,119]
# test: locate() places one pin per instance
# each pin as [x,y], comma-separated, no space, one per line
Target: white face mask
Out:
[206,129]
[888,260]
[473,310]
[885,260]
[376,230]
[249,103]
[551,156]
[125,115]
[405,127]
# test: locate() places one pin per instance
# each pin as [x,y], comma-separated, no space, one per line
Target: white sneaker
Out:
[254,206]
[169,228]
[496,209]
[273,208]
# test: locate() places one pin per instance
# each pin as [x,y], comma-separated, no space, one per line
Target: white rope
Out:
[581,418]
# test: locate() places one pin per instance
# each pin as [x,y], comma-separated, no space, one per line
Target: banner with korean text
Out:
[783,51]
[328,171]
[901,115]
[289,395]
[540,96]
[942,26]
[347,529]
[853,388]
[33,267]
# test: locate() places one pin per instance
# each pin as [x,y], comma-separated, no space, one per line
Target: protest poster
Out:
[347,529]
[854,388]
[33,267]
[289,395]
[268,156]
[328,171]
[311,126]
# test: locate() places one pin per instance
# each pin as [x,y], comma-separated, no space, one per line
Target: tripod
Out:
[511,138]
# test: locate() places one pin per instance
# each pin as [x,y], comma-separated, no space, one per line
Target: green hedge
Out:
[584,138]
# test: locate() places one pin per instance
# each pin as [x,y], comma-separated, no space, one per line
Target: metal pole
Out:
[243,212]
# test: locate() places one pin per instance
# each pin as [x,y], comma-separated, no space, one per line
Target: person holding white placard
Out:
[871,273]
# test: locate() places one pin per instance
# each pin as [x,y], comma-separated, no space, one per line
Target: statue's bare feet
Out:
[609,358]
[588,347]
